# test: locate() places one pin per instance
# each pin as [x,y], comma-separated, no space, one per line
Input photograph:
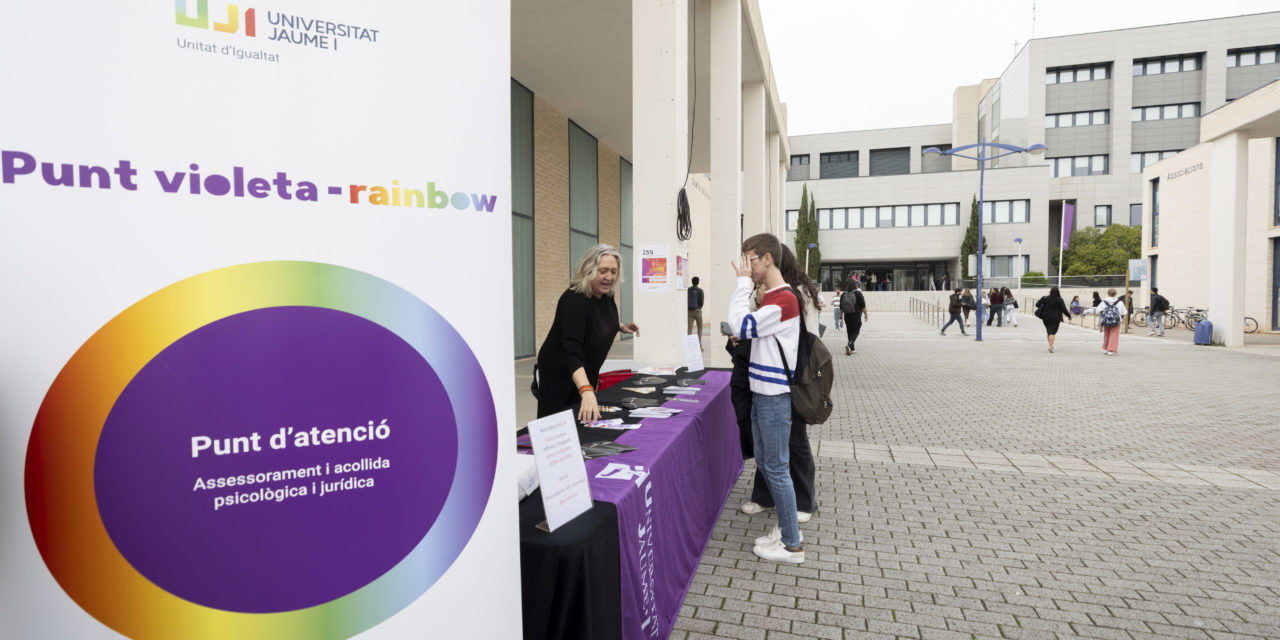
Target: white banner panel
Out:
[248,388]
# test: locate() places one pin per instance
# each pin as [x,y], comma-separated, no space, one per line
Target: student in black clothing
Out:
[1051,310]
[585,324]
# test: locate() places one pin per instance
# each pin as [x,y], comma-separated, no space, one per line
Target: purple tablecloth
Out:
[669,494]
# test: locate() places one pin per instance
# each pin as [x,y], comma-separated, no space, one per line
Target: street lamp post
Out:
[982,149]
[811,247]
[1018,241]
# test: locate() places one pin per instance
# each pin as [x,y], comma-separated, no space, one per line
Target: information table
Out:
[655,509]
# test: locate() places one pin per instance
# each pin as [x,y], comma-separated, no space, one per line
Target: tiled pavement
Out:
[994,490]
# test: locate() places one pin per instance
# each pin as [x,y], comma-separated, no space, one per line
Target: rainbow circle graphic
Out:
[63,509]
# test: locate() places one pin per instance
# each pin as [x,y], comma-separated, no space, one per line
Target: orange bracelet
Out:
[585,388]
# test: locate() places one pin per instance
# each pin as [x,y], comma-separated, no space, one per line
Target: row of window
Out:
[1077,119]
[1006,211]
[1155,66]
[1078,166]
[1063,75]
[1166,112]
[1250,57]
[915,215]
[1140,161]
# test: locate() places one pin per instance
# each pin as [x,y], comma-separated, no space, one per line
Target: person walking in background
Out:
[852,304]
[1110,315]
[997,308]
[696,299]
[953,307]
[1159,305]
[1010,307]
[968,304]
[775,329]
[1051,310]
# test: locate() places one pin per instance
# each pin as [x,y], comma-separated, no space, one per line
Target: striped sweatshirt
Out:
[778,316]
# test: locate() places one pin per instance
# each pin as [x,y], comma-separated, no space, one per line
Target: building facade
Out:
[1106,105]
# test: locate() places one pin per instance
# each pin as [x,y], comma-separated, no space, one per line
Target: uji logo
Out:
[201,19]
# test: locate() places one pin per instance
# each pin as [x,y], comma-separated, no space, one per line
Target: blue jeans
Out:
[955,317]
[1156,317]
[771,433]
[837,316]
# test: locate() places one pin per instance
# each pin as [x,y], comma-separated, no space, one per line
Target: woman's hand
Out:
[629,327]
[589,410]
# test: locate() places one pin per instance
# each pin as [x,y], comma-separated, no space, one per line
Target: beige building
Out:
[1212,228]
[1106,105]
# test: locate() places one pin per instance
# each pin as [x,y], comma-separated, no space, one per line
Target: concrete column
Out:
[726,161]
[755,182]
[777,176]
[1228,189]
[659,138]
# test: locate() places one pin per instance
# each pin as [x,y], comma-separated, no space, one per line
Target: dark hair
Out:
[695,281]
[797,278]
[1053,293]
[1154,290]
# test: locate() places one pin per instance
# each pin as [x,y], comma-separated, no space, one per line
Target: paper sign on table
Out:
[561,470]
[693,353]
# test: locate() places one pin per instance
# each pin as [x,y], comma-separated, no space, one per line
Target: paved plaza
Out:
[994,490]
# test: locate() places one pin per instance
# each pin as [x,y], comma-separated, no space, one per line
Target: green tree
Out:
[969,245]
[1095,252]
[807,233]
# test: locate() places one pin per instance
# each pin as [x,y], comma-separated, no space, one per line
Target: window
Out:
[1253,56]
[890,162]
[793,216]
[917,215]
[854,218]
[950,213]
[1005,211]
[1102,215]
[900,217]
[522,245]
[799,169]
[1166,112]
[1140,161]
[627,237]
[1008,266]
[886,217]
[824,219]
[837,218]
[1135,214]
[584,201]
[1155,219]
[1275,198]
[934,215]
[1076,119]
[843,164]
[1082,73]
[1078,166]
[797,161]
[1166,64]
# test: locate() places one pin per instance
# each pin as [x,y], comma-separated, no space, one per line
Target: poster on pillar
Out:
[682,272]
[244,395]
[654,268]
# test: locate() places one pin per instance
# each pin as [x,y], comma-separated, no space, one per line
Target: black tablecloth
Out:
[570,578]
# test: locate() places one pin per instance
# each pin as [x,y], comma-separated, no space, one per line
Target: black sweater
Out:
[580,336]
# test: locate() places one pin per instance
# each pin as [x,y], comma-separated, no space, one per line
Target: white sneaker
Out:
[1151,333]
[777,552]
[803,516]
[774,535]
[751,508]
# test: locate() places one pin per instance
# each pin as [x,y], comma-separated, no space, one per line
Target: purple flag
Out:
[1068,212]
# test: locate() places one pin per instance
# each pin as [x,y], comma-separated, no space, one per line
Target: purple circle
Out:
[256,372]
[217,185]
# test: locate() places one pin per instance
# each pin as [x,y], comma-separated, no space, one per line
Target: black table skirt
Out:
[570,577]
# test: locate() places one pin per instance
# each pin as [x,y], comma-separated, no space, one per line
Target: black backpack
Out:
[813,377]
[695,298]
[851,302]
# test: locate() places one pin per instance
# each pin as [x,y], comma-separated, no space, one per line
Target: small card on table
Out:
[561,470]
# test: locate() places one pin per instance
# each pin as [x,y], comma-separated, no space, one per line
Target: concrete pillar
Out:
[1228,189]
[777,182]
[726,162]
[659,138]
[755,182]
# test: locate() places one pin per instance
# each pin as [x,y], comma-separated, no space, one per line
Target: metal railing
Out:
[929,312]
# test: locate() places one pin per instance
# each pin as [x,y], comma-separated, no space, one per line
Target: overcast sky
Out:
[847,65]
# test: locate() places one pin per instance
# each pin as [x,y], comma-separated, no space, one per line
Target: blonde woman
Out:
[585,324]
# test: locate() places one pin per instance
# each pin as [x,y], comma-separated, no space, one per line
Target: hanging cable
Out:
[684,228]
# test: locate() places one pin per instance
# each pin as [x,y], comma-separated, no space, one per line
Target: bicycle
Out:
[1193,317]
[1140,316]
[1250,325]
